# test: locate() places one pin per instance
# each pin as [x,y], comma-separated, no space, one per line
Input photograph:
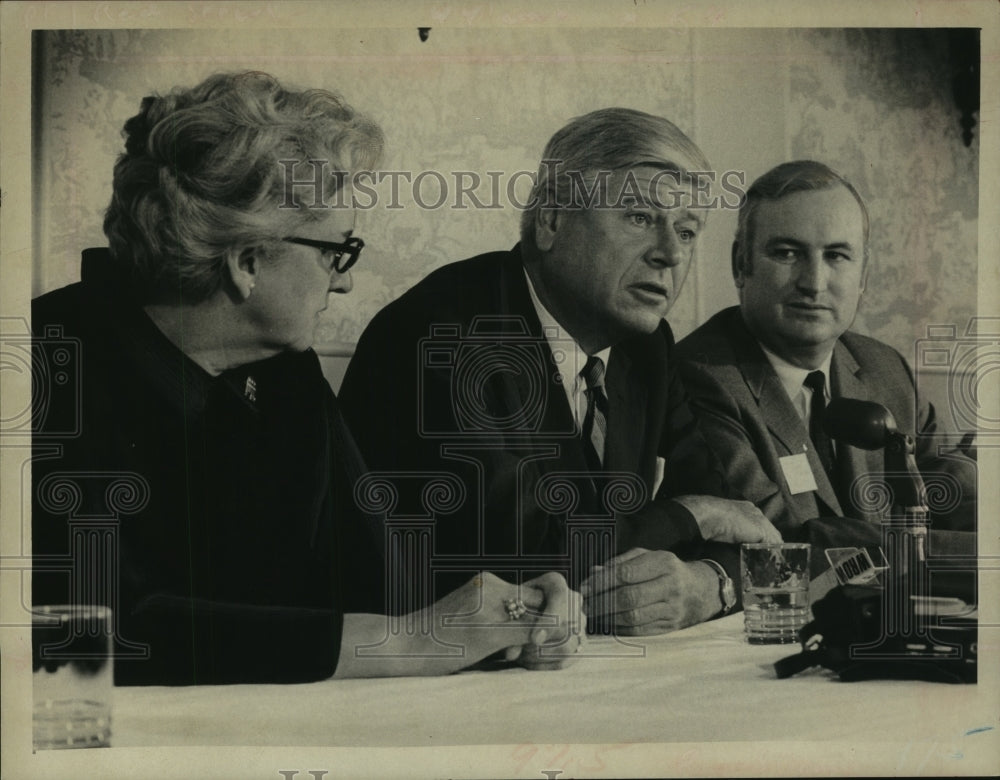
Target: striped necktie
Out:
[595,422]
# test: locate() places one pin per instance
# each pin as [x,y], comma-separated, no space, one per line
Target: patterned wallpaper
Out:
[875,104]
[903,149]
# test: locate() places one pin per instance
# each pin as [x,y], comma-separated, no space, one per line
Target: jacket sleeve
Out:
[199,642]
[690,466]
[396,403]
[732,466]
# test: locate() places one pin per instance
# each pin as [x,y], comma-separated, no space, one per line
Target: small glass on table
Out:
[72,677]
[775,580]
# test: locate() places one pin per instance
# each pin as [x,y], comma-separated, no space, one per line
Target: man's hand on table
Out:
[654,591]
[651,592]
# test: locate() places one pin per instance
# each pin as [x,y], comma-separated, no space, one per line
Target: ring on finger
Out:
[515,608]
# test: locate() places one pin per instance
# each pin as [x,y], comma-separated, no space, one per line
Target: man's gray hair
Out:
[609,139]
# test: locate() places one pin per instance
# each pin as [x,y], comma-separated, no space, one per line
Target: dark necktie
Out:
[816,381]
[595,422]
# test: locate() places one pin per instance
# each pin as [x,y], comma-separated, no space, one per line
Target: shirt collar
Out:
[560,339]
[793,377]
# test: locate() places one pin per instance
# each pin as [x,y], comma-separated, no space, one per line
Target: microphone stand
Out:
[871,426]
[905,537]
[875,632]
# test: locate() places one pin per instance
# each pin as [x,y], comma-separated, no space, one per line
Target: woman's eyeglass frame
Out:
[349,249]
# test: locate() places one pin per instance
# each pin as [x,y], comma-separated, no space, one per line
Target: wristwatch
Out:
[727,591]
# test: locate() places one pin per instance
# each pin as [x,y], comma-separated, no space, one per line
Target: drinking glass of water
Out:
[72,678]
[775,591]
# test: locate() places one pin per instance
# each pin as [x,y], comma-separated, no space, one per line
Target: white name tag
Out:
[798,475]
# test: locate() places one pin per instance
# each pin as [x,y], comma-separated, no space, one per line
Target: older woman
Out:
[204,438]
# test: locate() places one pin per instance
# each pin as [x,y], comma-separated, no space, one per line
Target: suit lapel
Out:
[556,426]
[775,406]
[780,415]
[627,397]
[521,390]
[846,381]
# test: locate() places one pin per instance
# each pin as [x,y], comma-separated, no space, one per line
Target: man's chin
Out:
[811,339]
[643,323]
[301,346]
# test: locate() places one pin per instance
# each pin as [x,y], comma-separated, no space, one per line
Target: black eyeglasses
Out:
[344,255]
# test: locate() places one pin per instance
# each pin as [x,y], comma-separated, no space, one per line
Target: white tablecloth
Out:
[699,685]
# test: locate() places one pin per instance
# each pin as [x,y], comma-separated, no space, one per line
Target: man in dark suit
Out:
[760,374]
[536,389]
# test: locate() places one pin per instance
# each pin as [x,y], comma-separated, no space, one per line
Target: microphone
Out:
[870,426]
[862,424]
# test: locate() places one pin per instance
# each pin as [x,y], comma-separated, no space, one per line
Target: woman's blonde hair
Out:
[210,169]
